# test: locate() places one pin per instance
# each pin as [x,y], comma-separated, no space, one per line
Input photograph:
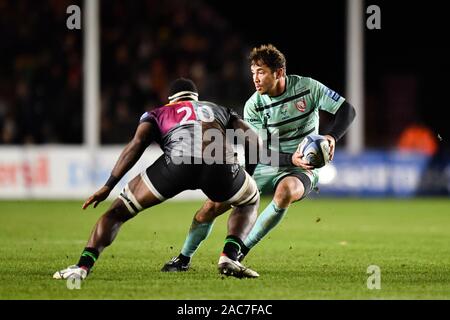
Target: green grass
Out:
[303,258]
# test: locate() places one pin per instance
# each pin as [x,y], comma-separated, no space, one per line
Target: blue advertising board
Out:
[380,173]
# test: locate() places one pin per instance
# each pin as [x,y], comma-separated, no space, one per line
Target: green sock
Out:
[232,247]
[267,220]
[88,258]
[197,233]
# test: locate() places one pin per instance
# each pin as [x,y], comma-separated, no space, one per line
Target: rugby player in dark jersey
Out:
[184,129]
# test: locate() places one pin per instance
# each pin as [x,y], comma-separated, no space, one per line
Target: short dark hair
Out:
[183,88]
[269,55]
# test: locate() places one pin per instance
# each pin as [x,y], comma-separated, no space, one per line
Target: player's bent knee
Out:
[209,207]
[289,192]
[288,196]
[207,212]
[118,212]
[210,211]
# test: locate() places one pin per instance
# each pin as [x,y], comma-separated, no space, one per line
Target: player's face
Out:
[264,79]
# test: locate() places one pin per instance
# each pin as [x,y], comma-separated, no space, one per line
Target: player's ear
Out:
[279,73]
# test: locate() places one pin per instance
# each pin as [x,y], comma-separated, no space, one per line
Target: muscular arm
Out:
[131,154]
[127,159]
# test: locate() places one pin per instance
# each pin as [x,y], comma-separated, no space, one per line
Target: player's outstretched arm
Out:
[127,159]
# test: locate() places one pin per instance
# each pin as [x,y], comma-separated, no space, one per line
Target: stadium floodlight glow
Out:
[327,174]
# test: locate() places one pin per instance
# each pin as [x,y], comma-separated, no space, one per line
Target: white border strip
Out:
[151,187]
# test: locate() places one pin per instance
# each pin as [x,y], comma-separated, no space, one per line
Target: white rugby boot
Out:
[233,268]
[71,271]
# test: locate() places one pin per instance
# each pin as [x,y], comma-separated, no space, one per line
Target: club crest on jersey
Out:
[301,105]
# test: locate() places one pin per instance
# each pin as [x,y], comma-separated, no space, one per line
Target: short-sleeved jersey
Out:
[180,127]
[293,114]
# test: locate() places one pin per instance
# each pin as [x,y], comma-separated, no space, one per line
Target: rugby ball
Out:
[315,149]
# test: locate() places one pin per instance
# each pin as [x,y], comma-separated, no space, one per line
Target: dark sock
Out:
[88,258]
[244,249]
[232,247]
[184,259]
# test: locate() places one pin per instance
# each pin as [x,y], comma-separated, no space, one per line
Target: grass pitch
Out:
[321,250]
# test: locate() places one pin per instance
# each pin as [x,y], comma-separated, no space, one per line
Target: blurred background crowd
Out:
[147,43]
[144,46]
[40,74]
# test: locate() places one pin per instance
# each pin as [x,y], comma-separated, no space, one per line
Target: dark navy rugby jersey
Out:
[188,129]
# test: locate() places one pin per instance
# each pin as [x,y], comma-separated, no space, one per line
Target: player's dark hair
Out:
[269,55]
[183,88]
[182,84]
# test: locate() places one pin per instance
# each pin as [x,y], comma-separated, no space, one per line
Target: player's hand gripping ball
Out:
[315,149]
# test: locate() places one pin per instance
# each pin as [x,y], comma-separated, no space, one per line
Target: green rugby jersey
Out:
[293,114]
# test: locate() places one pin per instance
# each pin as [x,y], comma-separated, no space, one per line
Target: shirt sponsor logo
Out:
[284,112]
[301,105]
[251,119]
[333,95]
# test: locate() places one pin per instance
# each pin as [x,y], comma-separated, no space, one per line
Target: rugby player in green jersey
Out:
[285,107]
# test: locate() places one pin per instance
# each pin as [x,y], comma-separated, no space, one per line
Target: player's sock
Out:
[197,233]
[232,247]
[267,220]
[244,249]
[88,258]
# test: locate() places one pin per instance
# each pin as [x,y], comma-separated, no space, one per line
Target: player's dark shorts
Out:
[219,182]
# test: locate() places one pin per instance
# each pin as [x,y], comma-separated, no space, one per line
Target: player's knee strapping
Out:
[151,187]
[130,201]
[248,194]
